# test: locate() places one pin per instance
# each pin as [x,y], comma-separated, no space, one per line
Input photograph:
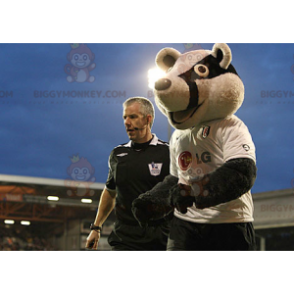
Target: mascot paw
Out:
[202,202]
[201,193]
[180,197]
[149,207]
[141,211]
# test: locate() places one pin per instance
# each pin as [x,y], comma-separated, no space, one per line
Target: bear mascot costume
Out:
[213,164]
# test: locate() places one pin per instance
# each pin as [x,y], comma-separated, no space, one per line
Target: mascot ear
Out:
[166,58]
[223,54]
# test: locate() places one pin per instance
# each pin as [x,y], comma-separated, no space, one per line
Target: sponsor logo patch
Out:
[185,160]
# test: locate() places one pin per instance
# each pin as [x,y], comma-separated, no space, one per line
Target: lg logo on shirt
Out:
[185,159]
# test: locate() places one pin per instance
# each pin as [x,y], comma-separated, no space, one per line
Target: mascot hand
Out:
[154,204]
[201,193]
[150,206]
[141,211]
[181,197]
[184,196]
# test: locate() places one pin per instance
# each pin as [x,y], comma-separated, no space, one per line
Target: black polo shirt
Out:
[135,169]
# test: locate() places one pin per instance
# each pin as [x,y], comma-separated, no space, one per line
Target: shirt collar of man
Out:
[154,141]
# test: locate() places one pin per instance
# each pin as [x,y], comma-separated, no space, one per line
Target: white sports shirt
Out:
[199,151]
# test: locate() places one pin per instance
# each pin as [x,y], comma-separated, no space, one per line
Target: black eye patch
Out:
[190,76]
[214,68]
[212,64]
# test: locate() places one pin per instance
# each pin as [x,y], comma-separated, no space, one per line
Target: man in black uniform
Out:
[134,168]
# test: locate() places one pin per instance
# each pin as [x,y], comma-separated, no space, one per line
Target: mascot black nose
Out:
[162,84]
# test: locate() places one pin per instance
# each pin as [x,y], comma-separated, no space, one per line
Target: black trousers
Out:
[128,237]
[186,235]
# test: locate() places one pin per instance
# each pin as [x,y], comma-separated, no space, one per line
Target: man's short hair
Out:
[146,107]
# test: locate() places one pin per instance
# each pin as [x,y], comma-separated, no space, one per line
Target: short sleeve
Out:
[110,183]
[237,141]
[173,161]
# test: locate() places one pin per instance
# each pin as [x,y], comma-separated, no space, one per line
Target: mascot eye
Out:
[201,70]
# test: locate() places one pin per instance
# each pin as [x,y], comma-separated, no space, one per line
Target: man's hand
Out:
[92,240]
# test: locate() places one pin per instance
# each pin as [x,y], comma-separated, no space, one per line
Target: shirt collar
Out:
[153,142]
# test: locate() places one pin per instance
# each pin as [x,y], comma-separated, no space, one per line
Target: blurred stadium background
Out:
[48,214]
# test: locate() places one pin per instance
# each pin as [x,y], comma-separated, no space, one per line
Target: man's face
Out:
[137,125]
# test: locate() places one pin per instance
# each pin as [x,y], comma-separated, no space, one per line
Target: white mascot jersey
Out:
[200,150]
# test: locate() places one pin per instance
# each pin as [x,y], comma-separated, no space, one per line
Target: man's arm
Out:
[106,205]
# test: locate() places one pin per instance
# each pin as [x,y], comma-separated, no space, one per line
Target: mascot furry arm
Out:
[227,183]
[200,88]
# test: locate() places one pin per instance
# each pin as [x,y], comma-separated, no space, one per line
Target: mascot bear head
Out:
[199,86]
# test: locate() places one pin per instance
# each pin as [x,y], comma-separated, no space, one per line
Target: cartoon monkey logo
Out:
[191,47]
[81,58]
[81,173]
[191,56]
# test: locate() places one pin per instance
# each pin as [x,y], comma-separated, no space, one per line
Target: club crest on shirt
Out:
[205,131]
[155,168]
